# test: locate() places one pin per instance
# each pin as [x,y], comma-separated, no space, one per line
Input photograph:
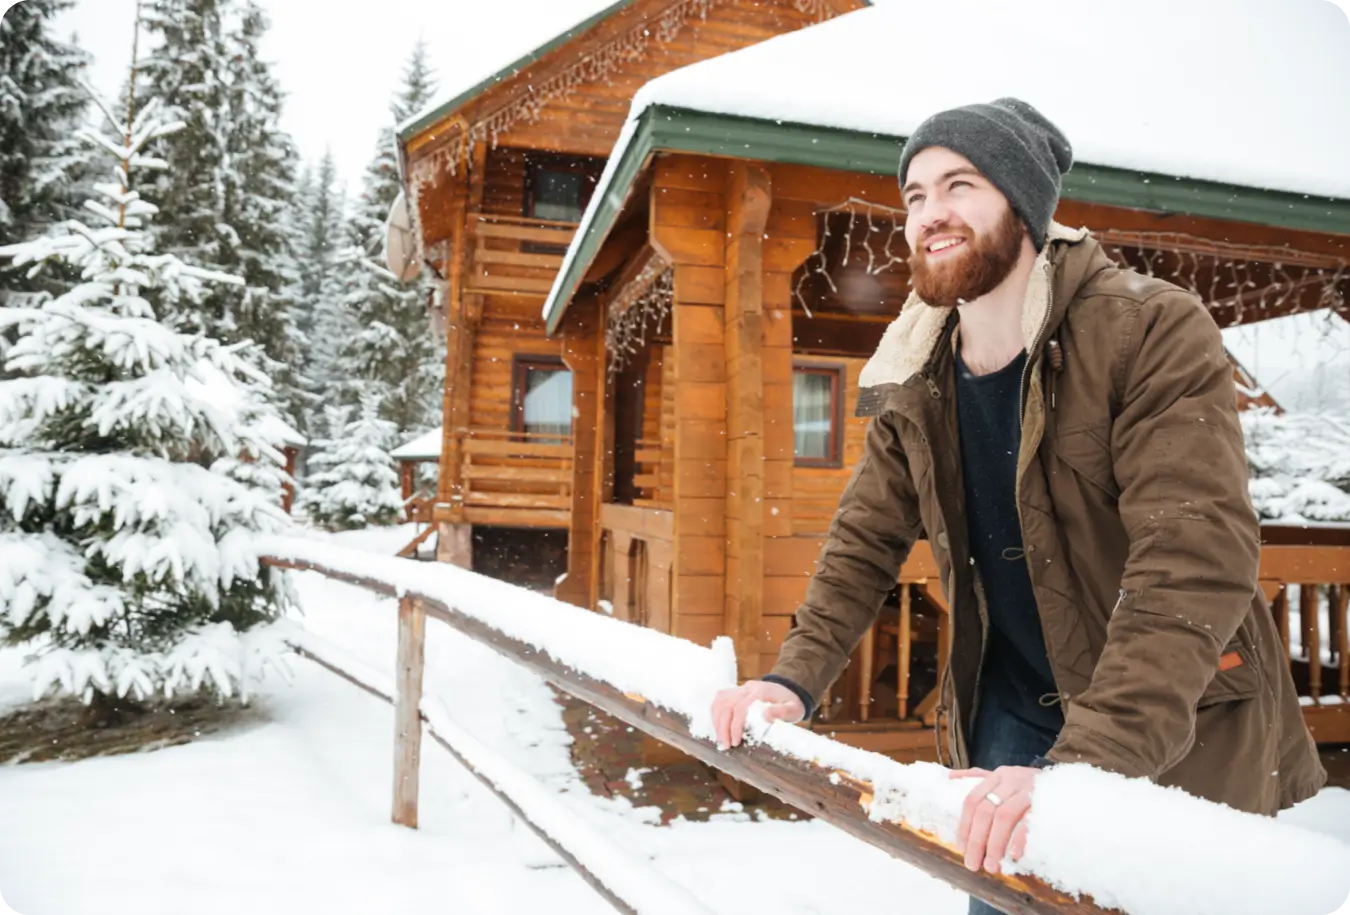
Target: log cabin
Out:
[655,326]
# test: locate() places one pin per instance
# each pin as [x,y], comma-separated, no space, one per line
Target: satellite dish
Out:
[400,242]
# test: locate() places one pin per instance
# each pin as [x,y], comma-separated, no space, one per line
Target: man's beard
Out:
[976,271]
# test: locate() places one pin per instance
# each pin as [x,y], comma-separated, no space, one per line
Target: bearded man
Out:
[1065,433]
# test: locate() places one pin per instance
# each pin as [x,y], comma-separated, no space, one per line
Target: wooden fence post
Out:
[412,626]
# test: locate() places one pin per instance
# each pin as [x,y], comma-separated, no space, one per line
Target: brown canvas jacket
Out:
[1139,533]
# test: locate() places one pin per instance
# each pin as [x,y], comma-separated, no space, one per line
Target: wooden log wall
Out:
[688,229]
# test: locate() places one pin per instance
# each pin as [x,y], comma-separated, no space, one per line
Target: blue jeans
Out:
[1000,738]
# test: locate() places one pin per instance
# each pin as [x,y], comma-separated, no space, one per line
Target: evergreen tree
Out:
[393,351]
[320,319]
[138,464]
[258,197]
[41,104]
[43,169]
[353,480]
[1299,465]
[190,71]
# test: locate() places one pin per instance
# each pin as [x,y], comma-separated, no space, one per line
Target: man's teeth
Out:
[945,243]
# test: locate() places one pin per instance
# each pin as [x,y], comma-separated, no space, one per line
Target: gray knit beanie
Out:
[1013,145]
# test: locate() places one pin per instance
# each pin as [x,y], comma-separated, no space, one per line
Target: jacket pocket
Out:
[1237,677]
[1086,451]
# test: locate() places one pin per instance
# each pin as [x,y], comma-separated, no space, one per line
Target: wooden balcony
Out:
[516,255]
[516,479]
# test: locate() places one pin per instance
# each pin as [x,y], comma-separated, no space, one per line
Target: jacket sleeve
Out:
[872,533]
[1194,539]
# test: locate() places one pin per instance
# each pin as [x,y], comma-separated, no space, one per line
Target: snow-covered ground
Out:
[292,815]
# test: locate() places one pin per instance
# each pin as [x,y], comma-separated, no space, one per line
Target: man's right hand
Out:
[730,706]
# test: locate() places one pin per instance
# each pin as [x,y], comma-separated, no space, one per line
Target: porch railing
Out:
[1304,574]
[525,475]
[516,255]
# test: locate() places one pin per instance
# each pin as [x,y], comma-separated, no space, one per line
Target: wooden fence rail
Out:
[813,789]
[527,800]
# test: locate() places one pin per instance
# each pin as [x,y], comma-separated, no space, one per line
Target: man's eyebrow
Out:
[960,170]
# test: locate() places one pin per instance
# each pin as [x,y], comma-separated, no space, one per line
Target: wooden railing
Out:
[1304,573]
[516,478]
[516,255]
[637,551]
[822,792]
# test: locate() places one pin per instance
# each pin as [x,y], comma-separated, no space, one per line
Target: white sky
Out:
[341,61]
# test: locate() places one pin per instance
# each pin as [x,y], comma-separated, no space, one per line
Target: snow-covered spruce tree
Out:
[43,168]
[231,177]
[353,481]
[321,320]
[393,350]
[189,69]
[41,105]
[259,182]
[137,466]
[1299,465]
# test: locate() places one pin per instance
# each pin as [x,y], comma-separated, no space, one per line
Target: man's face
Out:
[963,237]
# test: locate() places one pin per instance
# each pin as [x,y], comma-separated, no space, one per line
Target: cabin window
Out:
[558,188]
[817,419]
[541,401]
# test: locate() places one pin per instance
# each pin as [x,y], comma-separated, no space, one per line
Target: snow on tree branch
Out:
[138,463]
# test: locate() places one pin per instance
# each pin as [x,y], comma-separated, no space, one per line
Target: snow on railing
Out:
[1125,843]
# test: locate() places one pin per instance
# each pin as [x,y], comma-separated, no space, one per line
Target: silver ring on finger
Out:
[994,799]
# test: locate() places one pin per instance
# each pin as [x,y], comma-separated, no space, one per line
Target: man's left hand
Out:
[993,818]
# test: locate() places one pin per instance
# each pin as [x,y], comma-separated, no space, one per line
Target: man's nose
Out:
[936,214]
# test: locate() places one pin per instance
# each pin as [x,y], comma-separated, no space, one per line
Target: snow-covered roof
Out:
[1245,92]
[426,447]
[1239,92]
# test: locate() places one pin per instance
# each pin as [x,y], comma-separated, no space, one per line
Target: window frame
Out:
[557,162]
[835,372]
[521,363]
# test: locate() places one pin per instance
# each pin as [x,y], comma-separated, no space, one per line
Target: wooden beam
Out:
[810,788]
[749,196]
[407,717]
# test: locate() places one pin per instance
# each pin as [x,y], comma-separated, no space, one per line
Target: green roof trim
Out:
[667,129]
[510,70]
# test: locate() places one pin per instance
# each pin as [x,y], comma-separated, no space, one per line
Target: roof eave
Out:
[410,129]
[667,129]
